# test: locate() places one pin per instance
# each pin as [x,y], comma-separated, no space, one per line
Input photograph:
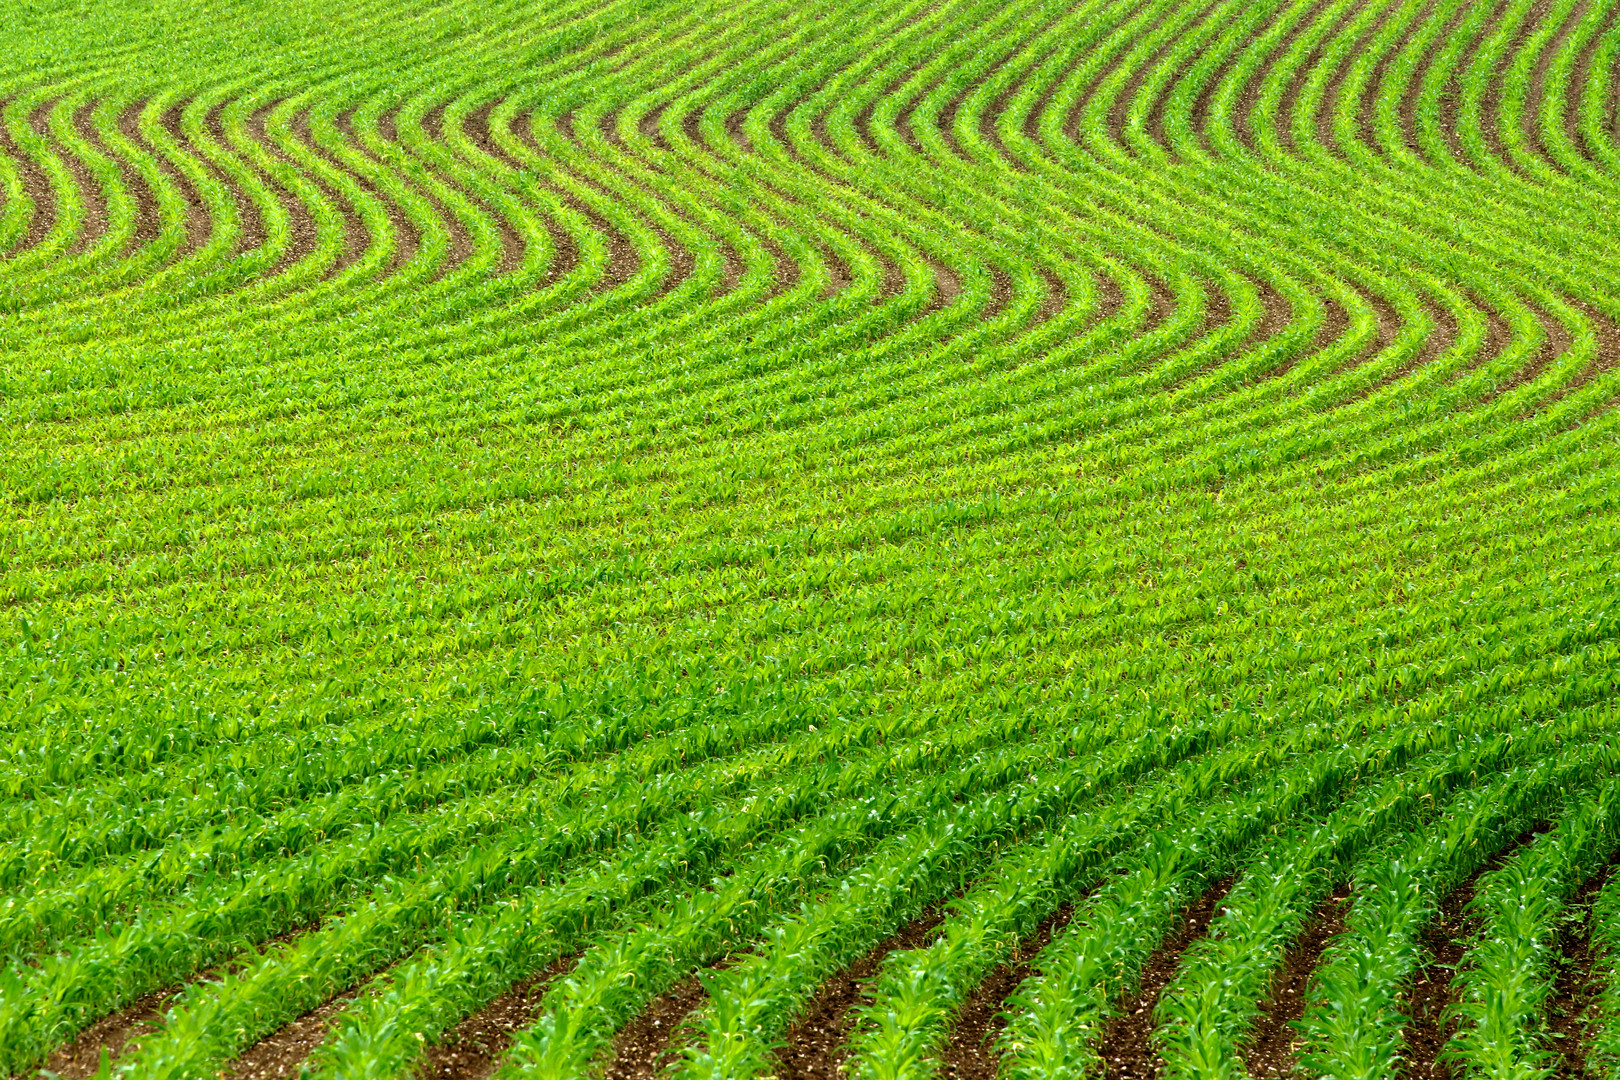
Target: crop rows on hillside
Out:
[746,539]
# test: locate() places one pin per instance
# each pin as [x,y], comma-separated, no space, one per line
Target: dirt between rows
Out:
[1127,1046]
[472,1048]
[1431,994]
[971,1053]
[1274,1049]
[818,1043]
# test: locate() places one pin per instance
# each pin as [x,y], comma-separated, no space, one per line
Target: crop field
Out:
[950,539]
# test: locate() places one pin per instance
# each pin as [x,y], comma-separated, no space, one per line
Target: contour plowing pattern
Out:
[810,540]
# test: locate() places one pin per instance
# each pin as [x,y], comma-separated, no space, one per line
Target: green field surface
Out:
[951,539]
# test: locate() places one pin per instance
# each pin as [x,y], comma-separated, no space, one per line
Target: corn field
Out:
[625,539]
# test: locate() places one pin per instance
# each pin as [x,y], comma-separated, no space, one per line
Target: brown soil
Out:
[147,217]
[1408,106]
[1372,91]
[477,128]
[692,127]
[1606,360]
[971,1053]
[1243,103]
[817,1043]
[1288,100]
[1056,297]
[355,237]
[460,246]
[35,184]
[647,124]
[408,239]
[1431,994]
[1439,340]
[472,1048]
[250,216]
[947,287]
[1554,343]
[902,119]
[1529,121]
[1127,1042]
[734,128]
[1491,101]
[1451,98]
[1328,106]
[1576,987]
[1000,293]
[647,1045]
[283,1053]
[1249,96]
[1575,93]
[838,275]
[113,1034]
[787,271]
[623,259]
[301,224]
[1274,1045]
[91,197]
[1153,123]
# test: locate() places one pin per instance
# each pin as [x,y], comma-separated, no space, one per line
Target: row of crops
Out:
[719,540]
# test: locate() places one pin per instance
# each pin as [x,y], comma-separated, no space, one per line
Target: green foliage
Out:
[689,489]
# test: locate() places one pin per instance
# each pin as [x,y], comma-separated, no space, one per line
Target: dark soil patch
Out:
[35,184]
[301,223]
[471,1050]
[1576,987]
[113,1034]
[1272,1051]
[283,1053]
[355,237]
[818,1043]
[1431,995]
[148,218]
[1413,93]
[93,199]
[1127,1042]
[971,1053]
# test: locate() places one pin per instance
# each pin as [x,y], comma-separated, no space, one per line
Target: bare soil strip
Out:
[283,1053]
[91,197]
[1431,994]
[1439,340]
[1576,987]
[1249,98]
[35,184]
[1127,1046]
[1408,107]
[407,239]
[1274,1047]
[623,258]
[1328,107]
[1491,102]
[971,1053]
[1580,74]
[647,1045]
[113,1035]
[301,223]
[818,1043]
[250,216]
[472,1048]
[197,224]
[355,237]
[1554,343]
[1536,95]
[1451,97]
[1139,77]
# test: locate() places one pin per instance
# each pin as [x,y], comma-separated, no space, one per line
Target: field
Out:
[759,539]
